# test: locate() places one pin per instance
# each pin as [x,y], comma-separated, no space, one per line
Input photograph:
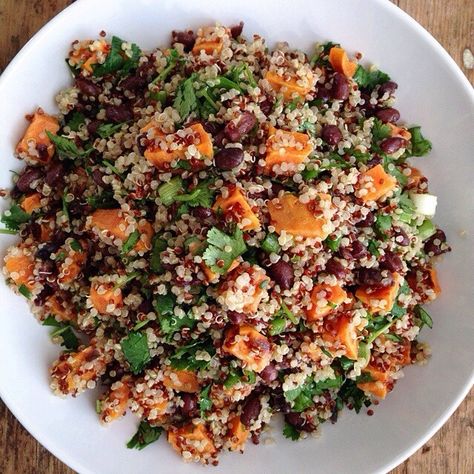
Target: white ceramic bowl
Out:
[433,92]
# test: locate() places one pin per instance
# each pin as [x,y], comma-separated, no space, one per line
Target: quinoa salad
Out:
[216,232]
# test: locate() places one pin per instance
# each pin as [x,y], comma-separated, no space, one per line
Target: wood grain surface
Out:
[450,451]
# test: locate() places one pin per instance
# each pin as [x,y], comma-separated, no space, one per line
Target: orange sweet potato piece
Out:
[194,438]
[377,373]
[433,281]
[182,381]
[211,276]
[160,157]
[288,213]
[252,348]
[86,56]
[236,205]
[287,85]
[377,182]
[396,131]
[72,266]
[104,294]
[277,153]
[35,136]
[237,434]
[335,295]
[31,203]
[115,402]
[207,46]
[377,389]
[59,309]
[346,333]
[340,62]
[20,269]
[379,299]
[415,177]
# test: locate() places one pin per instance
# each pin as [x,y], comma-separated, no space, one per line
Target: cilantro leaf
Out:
[201,195]
[76,120]
[186,101]
[144,436]
[171,61]
[420,146]
[353,395]
[14,217]
[290,432]
[424,317]
[320,58]
[105,130]
[277,325]
[270,243]
[368,79]
[185,356]
[135,349]
[132,239]
[104,200]
[70,340]
[380,130]
[159,245]
[66,147]
[117,60]
[232,378]
[333,244]
[23,289]
[223,249]
[205,403]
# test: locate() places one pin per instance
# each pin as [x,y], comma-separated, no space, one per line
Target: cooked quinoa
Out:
[218,232]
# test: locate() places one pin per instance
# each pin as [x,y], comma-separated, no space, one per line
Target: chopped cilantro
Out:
[393,337]
[75,121]
[185,356]
[277,326]
[270,243]
[423,316]
[107,129]
[67,148]
[420,146]
[70,340]
[169,322]
[104,200]
[117,60]
[368,79]
[14,217]
[158,246]
[223,249]
[23,289]
[76,246]
[144,436]
[205,403]
[353,395]
[346,363]
[129,244]
[380,130]
[201,195]
[135,349]
[290,432]
[372,247]
[159,96]
[168,191]
[232,378]
[171,60]
[320,57]
[186,101]
[333,244]
[307,127]
[383,223]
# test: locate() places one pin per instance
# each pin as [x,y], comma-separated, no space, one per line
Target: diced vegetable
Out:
[380,299]
[104,297]
[288,85]
[424,203]
[377,183]
[333,296]
[340,62]
[31,203]
[182,381]
[237,434]
[20,269]
[194,438]
[113,404]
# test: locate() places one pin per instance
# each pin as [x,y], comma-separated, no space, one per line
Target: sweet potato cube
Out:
[182,381]
[288,85]
[194,438]
[35,143]
[347,335]
[20,269]
[237,434]
[251,347]
[334,296]
[396,131]
[72,265]
[376,373]
[209,47]
[115,402]
[236,205]
[86,55]
[59,309]
[380,299]
[433,281]
[279,152]
[340,62]
[104,294]
[377,183]
[288,213]
[377,389]
[162,157]
[31,203]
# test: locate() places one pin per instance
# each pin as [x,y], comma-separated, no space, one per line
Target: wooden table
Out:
[450,450]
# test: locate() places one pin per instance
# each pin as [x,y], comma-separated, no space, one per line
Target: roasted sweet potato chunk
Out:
[290,85]
[194,439]
[182,381]
[377,183]
[325,299]
[380,299]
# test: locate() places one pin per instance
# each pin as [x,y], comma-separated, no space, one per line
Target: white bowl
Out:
[433,92]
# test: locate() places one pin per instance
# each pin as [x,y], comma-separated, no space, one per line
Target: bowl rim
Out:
[49,443]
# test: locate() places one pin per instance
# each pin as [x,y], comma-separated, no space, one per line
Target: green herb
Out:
[232,379]
[235,74]
[159,96]
[98,407]
[373,248]
[397,311]
[168,191]
[186,101]
[132,239]
[24,291]
[320,58]
[290,432]
[368,79]
[249,376]
[117,60]
[270,243]
[396,172]
[333,244]
[346,363]
[335,161]
[112,168]
[185,356]
[184,165]
[76,120]
[70,340]
[169,323]
[201,195]
[420,146]
[380,130]
[65,203]
[223,249]
[310,173]
[288,314]
[60,256]
[125,279]
[364,377]
[426,230]
[205,403]
[393,337]
[353,395]
[140,324]
[135,349]
[76,246]
[171,60]
[307,127]
[225,83]
[158,246]
[293,104]
[277,325]
[66,147]
[144,436]
[107,129]
[383,224]
[14,217]
[105,200]
[424,317]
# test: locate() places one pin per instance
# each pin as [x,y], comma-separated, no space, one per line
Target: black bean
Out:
[392,144]
[436,244]
[45,251]
[229,158]
[389,87]
[269,373]
[278,401]
[92,126]
[146,306]
[187,38]
[340,87]
[374,161]
[388,115]
[27,177]
[250,410]
[295,419]
[88,87]
[391,262]
[45,293]
[54,173]
[282,274]
[212,127]
[118,113]
[42,150]
[132,83]
[401,238]
[368,221]
[235,130]
[266,106]
[189,404]
[323,93]
[97,176]
[235,317]
[331,134]
[236,30]
[373,277]
[355,251]
[335,267]
[201,212]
